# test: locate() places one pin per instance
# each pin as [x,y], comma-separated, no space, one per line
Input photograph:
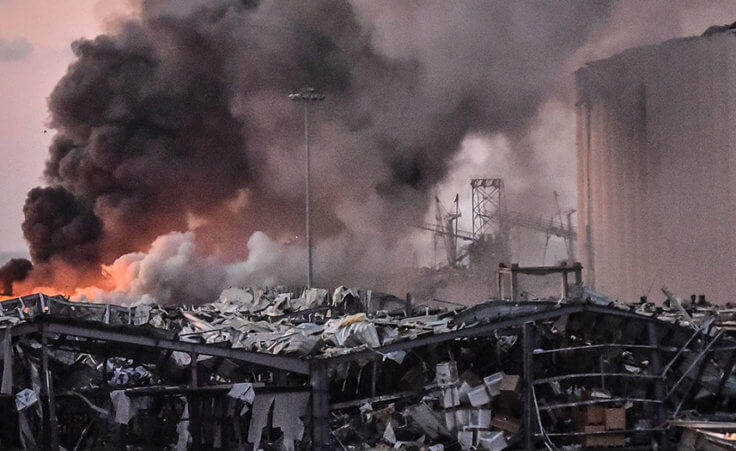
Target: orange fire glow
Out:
[58,279]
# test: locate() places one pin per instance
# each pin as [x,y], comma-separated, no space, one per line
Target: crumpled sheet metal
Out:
[262,321]
[258,320]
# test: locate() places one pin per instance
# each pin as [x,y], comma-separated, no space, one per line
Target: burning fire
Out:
[109,278]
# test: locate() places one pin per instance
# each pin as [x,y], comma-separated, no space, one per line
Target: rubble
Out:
[284,369]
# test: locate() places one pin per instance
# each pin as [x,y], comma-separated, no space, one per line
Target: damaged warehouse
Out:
[276,369]
[162,295]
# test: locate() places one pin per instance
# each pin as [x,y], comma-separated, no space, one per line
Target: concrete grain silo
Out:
[656,156]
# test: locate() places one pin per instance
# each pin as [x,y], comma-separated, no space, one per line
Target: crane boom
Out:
[540,224]
[460,234]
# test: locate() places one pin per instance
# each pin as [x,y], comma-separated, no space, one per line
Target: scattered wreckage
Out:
[276,369]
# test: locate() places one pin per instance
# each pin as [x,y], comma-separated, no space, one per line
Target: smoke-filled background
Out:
[176,166]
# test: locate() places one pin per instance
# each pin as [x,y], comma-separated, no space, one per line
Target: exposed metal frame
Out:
[52,326]
[489,207]
[317,368]
[513,274]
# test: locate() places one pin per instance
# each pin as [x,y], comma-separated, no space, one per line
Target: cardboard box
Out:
[506,423]
[479,396]
[446,373]
[593,440]
[587,415]
[480,418]
[463,391]
[595,415]
[615,418]
[457,418]
[602,439]
[465,439]
[491,440]
[449,397]
[582,416]
[449,419]
[510,382]
[493,383]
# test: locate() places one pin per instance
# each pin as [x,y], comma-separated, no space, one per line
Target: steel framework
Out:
[489,207]
[54,332]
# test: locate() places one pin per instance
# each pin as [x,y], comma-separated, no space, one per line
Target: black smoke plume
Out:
[15,270]
[180,120]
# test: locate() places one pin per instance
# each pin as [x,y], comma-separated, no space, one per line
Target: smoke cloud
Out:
[176,130]
[14,270]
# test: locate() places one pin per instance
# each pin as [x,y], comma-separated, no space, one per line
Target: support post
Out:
[53,442]
[500,284]
[659,387]
[565,293]
[514,283]
[308,195]
[727,370]
[193,367]
[6,387]
[529,410]
[408,305]
[320,405]
[374,371]
[194,426]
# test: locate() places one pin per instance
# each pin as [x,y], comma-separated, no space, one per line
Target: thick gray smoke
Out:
[179,121]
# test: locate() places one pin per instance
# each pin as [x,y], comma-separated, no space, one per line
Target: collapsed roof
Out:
[356,370]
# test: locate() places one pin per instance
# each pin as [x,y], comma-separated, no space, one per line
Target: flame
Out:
[56,279]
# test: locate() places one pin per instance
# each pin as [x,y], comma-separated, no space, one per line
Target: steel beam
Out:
[485,329]
[256,358]
[480,330]
[24,329]
[612,311]
[585,375]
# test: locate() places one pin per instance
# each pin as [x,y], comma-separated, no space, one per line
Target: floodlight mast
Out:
[307,95]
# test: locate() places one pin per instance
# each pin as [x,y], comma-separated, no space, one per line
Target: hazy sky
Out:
[35,50]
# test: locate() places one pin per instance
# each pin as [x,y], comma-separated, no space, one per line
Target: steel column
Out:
[320,405]
[194,424]
[659,387]
[308,195]
[7,349]
[530,413]
[49,388]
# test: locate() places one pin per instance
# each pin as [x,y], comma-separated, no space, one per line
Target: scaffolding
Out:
[489,208]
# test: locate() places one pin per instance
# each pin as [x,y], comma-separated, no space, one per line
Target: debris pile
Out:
[351,369]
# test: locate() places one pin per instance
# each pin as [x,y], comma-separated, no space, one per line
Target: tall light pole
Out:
[307,95]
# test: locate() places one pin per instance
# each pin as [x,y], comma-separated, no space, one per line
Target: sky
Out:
[35,50]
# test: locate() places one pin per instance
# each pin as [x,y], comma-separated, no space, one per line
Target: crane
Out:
[446,221]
